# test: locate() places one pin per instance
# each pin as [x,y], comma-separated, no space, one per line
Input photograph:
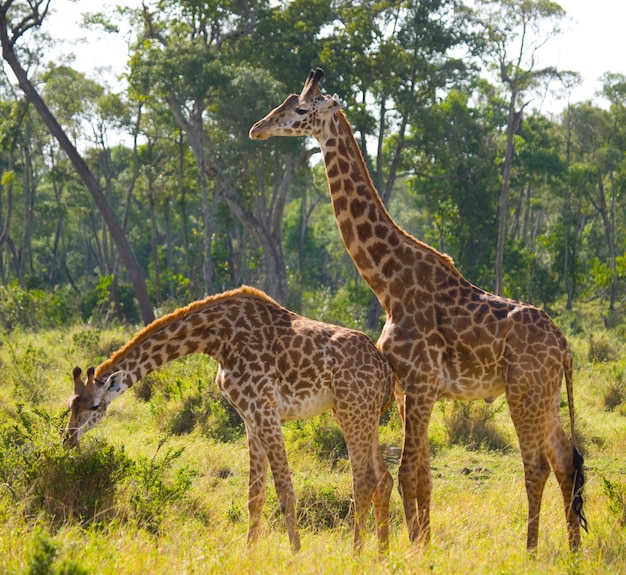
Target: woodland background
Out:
[441,99]
[120,203]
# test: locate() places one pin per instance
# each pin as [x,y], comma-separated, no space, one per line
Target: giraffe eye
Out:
[301,111]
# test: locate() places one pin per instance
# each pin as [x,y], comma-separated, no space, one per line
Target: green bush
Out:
[64,485]
[36,309]
[616,493]
[600,349]
[470,423]
[86,485]
[319,436]
[183,397]
[43,559]
[152,485]
[324,507]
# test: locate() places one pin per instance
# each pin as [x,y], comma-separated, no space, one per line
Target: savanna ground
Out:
[160,485]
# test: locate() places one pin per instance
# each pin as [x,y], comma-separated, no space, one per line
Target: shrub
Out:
[43,559]
[320,436]
[78,484]
[471,424]
[600,349]
[26,372]
[614,394]
[323,507]
[616,493]
[36,309]
[183,396]
[152,486]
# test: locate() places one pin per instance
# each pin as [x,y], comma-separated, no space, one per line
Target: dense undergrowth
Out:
[160,485]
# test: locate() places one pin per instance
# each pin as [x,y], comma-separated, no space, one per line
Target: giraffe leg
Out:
[257,479]
[567,465]
[371,480]
[382,495]
[414,475]
[273,443]
[530,426]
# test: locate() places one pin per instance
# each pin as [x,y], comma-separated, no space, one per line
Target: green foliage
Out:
[319,436]
[36,309]
[616,493]
[471,424]
[600,348]
[100,304]
[43,559]
[323,507]
[152,487]
[65,485]
[183,396]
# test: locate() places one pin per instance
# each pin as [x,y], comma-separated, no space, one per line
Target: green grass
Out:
[178,503]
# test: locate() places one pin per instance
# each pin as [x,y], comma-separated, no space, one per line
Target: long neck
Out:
[169,338]
[369,233]
[390,260]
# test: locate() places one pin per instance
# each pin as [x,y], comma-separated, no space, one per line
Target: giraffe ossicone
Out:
[444,337]
[274,365]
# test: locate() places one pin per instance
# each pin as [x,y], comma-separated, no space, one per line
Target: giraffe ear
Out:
[332,104]
[79,386]
[89,385]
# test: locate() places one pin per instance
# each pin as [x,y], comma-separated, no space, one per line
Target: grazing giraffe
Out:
[275,365]
[444,337]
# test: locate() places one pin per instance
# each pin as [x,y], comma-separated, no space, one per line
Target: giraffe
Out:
[274,365]
[444,337]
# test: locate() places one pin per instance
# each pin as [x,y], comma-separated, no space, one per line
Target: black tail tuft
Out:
[579,483]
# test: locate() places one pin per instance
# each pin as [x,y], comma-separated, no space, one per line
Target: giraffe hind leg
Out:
[382,495]
[371,480]
[567,463]
[257,479]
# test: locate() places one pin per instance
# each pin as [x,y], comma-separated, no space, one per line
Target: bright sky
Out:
[593,42]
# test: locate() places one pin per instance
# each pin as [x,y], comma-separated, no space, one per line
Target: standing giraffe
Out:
[274,366]
[444,337]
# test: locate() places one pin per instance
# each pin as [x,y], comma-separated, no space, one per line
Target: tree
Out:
[516,32]
[391,61]
[16,19]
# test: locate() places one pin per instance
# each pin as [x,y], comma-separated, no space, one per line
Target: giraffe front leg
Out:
[414,475]
[257,480]
[274,445]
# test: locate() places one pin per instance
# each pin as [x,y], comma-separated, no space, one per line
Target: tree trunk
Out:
[132,267]
[511,128]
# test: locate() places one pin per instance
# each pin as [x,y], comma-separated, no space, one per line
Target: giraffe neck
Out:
[385,255]
[195,329]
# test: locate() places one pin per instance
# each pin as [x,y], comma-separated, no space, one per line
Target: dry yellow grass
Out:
[478,507]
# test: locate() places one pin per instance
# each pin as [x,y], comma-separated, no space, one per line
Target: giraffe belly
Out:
[470,389]
[304,405]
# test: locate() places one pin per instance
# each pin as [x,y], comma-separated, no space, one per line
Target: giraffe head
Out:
[301,115]
[88,404]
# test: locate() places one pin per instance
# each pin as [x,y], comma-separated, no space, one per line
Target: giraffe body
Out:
[274,365]
[444,337]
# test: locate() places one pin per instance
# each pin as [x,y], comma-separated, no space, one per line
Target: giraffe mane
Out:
[443,258]
[180,313]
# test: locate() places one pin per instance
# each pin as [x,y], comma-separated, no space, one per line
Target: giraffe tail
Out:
[389,393]
[569,387]
[579,484]
[579,473]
